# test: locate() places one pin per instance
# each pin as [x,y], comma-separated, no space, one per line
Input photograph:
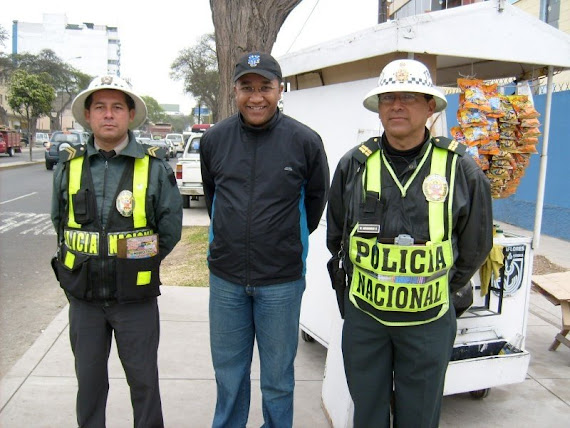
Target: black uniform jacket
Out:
[265,189]
[472,210]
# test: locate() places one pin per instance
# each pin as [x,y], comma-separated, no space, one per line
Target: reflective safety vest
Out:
[86,240]
[402,285]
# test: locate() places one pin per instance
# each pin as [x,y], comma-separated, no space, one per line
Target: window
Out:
[550,12]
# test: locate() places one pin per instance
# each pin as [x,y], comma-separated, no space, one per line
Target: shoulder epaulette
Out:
[451,145]
[363,152]
[154,151]
[72,151]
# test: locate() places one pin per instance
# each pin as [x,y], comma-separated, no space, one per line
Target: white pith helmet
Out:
[108,82]
[404,75]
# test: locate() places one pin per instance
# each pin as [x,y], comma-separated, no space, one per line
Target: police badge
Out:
[125,203]
[402,74]
[253,60]
[435,188]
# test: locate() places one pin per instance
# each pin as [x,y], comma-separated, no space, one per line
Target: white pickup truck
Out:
[188,175]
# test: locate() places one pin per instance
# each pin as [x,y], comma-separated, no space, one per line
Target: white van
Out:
[41,138]
[177,140]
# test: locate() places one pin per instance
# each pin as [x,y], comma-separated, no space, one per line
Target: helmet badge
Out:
[402,73]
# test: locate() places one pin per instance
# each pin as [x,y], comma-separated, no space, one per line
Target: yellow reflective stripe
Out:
[69,260]
[140,183]
[143,277]
[373,181]
[450,197]
[75,169]
[436,223]
[396,297]
[400,263]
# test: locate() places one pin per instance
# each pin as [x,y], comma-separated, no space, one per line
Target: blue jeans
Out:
[238,315]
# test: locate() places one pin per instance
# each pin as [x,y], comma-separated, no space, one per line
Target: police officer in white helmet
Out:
[411,216]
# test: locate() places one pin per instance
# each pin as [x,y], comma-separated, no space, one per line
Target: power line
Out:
[303,27]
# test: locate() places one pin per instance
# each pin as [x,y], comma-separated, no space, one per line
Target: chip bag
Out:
[523,107]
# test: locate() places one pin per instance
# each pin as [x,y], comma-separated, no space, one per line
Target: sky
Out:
[152,38]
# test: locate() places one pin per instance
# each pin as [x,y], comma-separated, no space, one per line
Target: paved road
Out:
[37,155]
[29,294]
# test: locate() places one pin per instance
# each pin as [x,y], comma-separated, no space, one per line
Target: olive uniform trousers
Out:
[407,362]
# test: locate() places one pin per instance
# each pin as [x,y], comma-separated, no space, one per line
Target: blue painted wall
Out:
[519,209]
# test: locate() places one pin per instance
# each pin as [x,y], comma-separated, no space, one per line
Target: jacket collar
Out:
[388,149]
[265,127]
[133,149]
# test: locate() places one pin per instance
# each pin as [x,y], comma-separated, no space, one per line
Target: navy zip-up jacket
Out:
[265,190]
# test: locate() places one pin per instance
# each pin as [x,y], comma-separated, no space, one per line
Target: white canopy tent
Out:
[487,40]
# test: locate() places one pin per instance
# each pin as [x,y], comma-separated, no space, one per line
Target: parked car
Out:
[171,147]
[162,144]
[178,140]
[59,140]
[188,174]
[144,140]
[41,138]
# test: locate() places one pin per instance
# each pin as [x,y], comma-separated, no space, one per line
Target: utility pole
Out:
[199,111]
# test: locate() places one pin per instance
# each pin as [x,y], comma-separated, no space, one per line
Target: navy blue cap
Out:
[258,63]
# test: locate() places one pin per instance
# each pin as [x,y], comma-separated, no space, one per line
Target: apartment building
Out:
[93,49]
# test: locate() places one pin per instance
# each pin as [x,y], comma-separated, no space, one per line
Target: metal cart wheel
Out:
[307,337]
[480,393]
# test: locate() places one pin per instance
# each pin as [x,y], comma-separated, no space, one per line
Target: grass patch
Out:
[186,265]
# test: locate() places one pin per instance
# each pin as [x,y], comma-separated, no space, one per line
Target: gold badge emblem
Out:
[435,188]
[106,80]
[125,203]
[402,73]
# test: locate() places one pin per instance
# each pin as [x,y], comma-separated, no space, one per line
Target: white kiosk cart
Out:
[325,88]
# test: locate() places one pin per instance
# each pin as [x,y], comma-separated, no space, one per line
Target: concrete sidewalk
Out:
[40,389]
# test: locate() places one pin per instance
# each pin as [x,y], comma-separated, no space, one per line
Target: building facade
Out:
[92,49]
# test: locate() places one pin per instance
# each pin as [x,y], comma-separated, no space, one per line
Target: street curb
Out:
[19,164]
[19,373]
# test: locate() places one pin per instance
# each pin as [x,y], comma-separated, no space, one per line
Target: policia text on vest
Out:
[412,278]
[85,242]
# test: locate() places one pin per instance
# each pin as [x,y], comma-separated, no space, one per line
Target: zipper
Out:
[103,242]
[248,222]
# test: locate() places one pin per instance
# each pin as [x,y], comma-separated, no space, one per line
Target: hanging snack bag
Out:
[470,117]
[484,162]
[493,128]
[523,107]
[509,146]
[530,123]
[457,134]
[509,113]
[473,94]
[495,105]
[476,135]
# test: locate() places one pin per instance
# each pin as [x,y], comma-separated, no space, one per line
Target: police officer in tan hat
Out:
[117,212]
[410,214]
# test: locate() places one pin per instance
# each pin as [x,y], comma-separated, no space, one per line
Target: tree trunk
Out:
[240,27]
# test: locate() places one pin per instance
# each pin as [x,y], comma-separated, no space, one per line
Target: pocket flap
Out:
[70,260]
